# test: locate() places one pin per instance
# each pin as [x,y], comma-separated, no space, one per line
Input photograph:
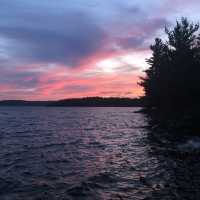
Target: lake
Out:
[89,153]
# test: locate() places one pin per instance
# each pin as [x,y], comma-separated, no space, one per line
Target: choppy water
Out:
[89,153]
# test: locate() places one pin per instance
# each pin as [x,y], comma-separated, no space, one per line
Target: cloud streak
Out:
[53,50]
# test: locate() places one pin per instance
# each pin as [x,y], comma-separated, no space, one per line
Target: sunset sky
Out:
[73,48]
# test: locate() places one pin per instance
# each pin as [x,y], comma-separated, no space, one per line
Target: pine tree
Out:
[172,80]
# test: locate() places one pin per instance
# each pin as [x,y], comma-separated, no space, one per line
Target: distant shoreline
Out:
[79,102]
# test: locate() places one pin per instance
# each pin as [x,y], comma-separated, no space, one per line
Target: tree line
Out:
[86,101]
[172,81]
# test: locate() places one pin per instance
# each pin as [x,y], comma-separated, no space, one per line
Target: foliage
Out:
[172,81]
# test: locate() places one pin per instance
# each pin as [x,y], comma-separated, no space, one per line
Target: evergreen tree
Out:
[172,80]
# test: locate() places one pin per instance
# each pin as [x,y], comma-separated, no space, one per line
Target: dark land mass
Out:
[75,102]
[24,103]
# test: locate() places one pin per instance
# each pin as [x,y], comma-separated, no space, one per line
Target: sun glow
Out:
[108,65]
[136,59]
[133,61]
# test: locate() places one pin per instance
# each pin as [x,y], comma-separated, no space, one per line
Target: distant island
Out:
[82,102]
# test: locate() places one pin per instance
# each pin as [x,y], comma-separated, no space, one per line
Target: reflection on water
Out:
[89,153]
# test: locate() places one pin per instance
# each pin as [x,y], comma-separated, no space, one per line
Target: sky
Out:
[53,50]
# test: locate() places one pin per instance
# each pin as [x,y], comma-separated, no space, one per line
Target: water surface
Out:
[88,153]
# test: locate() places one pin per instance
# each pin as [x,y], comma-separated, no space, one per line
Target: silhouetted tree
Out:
[172,82]
[154,75]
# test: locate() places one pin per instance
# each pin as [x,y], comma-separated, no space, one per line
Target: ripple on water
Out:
[86,153]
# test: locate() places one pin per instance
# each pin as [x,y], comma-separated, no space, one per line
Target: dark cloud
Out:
[37,36]
[66,32]
[48,46]
[131,42]
[44,37]
[153,24]
[19,79]
[141,34]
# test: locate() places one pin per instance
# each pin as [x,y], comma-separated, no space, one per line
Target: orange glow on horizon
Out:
[105,75]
